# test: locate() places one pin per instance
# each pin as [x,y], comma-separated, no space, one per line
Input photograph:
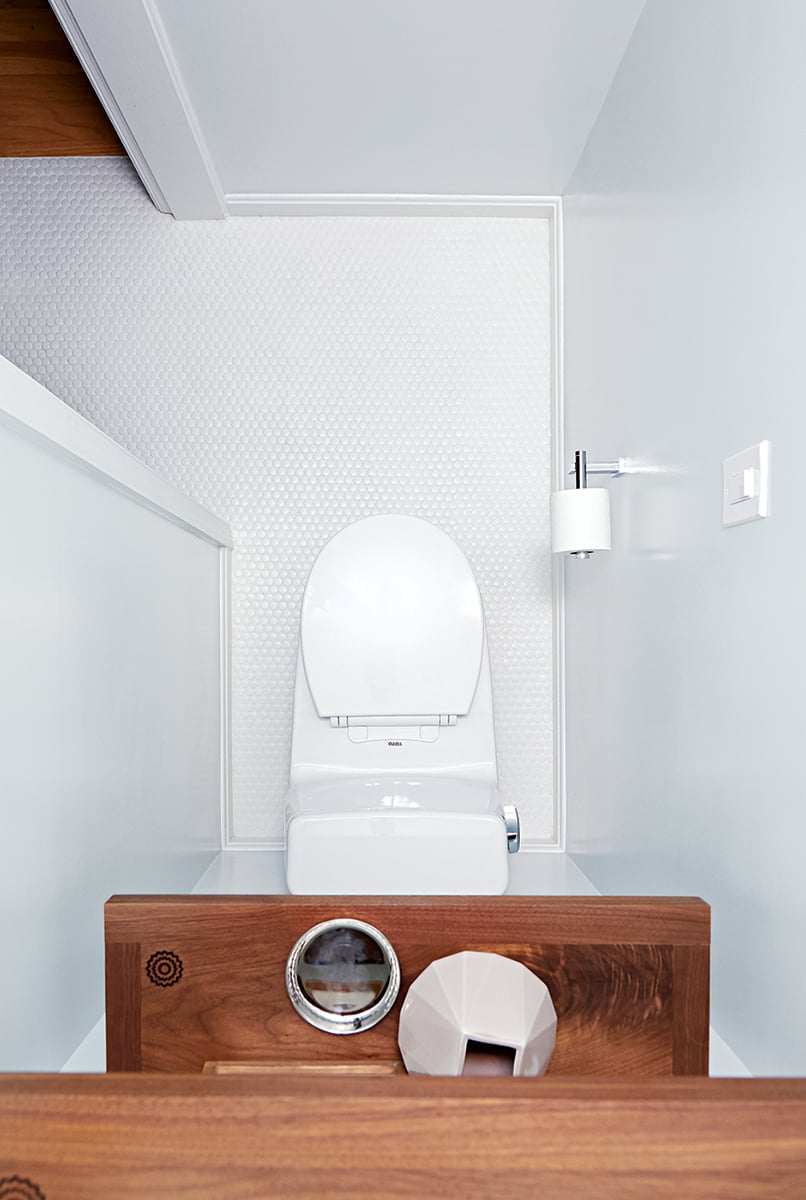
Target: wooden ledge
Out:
[131,1137]
[195,979]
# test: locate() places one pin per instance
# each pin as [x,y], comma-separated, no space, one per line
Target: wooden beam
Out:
[47,106]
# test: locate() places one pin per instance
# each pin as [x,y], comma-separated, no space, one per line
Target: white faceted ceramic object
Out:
[477,997]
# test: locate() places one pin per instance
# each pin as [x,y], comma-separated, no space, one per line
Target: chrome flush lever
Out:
[513,827]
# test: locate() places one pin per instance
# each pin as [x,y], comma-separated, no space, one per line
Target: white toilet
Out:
[393,770]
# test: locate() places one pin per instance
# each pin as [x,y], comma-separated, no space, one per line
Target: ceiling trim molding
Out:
[129,62]
[248,204]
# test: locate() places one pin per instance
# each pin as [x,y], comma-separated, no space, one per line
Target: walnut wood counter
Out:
[205,1137]
[195,979]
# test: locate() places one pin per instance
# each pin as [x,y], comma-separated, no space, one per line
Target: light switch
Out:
[742,485]
[745,485]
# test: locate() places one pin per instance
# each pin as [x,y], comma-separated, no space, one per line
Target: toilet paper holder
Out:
[580,518]
[582,468]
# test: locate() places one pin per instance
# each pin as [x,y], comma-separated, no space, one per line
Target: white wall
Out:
[294,375]
[685,311]
[462,96]
[110,699]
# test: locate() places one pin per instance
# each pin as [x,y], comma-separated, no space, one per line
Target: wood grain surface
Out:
[368,1067]
[314,1138]
[629,978]
[47,104]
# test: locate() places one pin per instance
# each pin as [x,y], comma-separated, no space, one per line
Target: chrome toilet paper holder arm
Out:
[582,468]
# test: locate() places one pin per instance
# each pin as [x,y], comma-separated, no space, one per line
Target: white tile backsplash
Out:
[297,374]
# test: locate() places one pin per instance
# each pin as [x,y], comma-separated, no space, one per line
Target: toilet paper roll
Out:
[580,520]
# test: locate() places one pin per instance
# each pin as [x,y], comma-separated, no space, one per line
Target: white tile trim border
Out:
[225,679]
[390,205]
[558,561]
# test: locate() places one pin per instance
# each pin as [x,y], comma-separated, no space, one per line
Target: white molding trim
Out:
[557,483]
[30,409]
[225,681]
[392,205]
[125,52]
[252,845]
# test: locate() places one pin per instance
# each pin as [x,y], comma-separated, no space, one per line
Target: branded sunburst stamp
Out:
[164,968]
[15,1187]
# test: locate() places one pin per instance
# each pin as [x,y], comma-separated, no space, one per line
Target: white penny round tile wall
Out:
[295,374]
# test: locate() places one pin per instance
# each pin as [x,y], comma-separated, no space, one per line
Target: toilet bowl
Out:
[393,781]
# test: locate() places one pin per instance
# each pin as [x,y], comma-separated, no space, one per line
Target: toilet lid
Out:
[392,622]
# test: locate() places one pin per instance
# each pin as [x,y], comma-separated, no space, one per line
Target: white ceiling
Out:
[353,97]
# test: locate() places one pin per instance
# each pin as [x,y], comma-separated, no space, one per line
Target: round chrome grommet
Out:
[342,976]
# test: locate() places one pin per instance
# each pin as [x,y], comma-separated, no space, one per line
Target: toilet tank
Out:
[396,836]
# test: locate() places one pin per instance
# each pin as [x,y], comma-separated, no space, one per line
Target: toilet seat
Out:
[392,626]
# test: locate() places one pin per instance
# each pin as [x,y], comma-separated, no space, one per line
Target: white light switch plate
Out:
[746,485]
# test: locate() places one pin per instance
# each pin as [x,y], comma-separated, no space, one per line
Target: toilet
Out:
[393,782]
